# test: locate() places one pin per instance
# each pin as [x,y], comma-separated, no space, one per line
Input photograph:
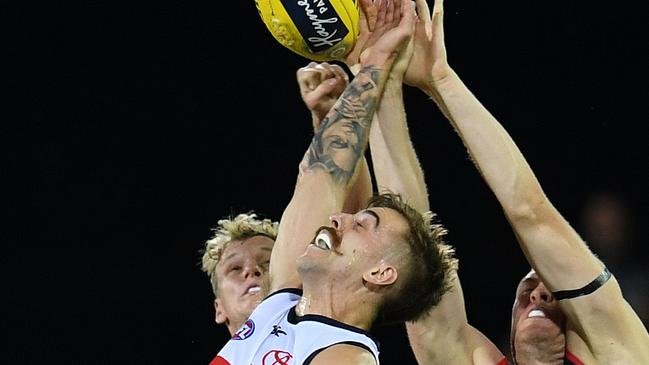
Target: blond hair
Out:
[241,227]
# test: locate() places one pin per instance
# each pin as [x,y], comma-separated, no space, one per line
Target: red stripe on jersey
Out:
[218,360]
[504,361]
[573,359]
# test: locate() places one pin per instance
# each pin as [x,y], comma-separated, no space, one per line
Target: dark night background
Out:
[131,128]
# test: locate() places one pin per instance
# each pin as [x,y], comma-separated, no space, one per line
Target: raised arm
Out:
[330,163]
[392,152]
[321,84]
[601,326]
[444,336]
[395,162]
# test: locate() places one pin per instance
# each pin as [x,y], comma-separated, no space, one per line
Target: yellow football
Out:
[319,30]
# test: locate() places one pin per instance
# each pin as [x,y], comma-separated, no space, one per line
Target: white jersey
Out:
[275,335]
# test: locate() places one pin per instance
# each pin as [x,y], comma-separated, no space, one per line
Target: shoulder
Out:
[276,304]
[344,354]
[288,293]
[286,297]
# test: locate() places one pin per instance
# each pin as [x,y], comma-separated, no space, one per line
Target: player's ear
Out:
[220,317]
[382,274]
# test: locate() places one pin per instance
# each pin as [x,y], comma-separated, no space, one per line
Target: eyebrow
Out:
[228,257]
[234,254]
[267,249]
[373,214]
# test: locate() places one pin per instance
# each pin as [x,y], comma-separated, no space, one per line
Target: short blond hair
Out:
[241,227]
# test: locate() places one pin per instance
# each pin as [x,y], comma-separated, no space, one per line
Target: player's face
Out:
[240,272]
[536,316]
[354,244]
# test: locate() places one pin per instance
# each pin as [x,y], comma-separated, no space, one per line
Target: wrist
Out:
[379,60]
[439,84]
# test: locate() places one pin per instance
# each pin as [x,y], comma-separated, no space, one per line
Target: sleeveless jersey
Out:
[569,359]
[275,335]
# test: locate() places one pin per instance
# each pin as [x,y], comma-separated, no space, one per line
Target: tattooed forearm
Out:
[340,142]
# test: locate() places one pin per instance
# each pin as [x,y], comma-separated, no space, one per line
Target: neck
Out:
[326,301]
[233,326]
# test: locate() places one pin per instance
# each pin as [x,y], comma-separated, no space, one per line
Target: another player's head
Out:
[537,321]
[389,254]
[236,260]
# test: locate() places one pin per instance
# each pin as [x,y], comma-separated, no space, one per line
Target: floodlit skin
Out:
[240,274]
[600,328]
[322,188]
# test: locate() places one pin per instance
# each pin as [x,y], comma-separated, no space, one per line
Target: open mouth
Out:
[323,240]
[253,290]
[327,240]
[536,313]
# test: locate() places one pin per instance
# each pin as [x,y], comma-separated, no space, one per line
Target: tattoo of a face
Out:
[340,142]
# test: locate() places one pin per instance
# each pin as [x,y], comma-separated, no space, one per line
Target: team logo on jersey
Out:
[276,357]
[245,331]
[277,330]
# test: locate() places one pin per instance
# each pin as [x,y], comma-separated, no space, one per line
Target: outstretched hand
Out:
[429,64]
[395,24]
[378,18]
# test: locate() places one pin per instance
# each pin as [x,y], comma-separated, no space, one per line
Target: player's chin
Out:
[251,302]
[312,260]
[538,329]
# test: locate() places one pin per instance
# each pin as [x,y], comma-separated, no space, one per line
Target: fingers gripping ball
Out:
[319,30]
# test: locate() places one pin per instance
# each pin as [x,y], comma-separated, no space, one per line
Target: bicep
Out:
[444,335]
[439,327]
[315,198]
[605,321]
[554,249]
[603,318]
[467,346]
